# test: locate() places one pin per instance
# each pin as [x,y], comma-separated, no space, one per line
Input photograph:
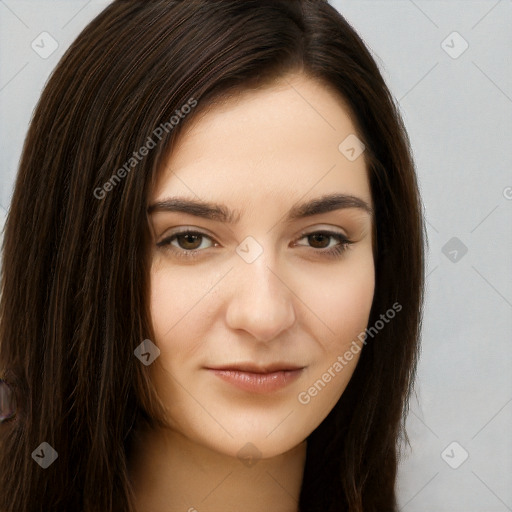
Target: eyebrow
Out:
[221,213]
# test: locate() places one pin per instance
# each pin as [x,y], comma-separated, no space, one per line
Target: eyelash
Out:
[334,252]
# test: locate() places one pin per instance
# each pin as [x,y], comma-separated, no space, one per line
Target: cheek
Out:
[341,300]
[345,306]
[343,303]
[177,300]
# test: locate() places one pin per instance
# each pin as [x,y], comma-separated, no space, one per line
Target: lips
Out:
[258,379]
[253,368]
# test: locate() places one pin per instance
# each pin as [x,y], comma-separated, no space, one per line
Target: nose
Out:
[261,302]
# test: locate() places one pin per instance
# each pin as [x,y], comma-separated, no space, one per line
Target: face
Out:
[260,290]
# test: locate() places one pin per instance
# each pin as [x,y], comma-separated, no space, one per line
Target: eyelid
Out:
[325,228]
[324,231]
[185,230]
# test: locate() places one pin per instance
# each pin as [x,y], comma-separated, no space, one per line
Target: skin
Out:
[260,153]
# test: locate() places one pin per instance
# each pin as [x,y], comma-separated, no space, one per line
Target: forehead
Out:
[280,143]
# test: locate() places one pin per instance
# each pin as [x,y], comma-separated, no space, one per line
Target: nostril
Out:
[7,401]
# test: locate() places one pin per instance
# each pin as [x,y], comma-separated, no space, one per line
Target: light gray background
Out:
[458,112]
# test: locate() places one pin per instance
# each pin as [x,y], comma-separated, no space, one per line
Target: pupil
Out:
[316,237]
[189,239]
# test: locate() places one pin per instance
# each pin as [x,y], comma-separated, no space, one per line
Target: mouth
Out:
[258,379]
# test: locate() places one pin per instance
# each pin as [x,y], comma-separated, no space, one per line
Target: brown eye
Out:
[186,244]
[319,240]
[189,241]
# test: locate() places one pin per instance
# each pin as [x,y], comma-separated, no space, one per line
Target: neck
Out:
[171,473]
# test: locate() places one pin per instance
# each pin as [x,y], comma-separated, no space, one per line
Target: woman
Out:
[175,333]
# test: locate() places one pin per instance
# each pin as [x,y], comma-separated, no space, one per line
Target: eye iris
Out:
[316,237]
[190,239]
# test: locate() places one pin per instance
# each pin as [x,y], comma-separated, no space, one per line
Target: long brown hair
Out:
[75,273]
